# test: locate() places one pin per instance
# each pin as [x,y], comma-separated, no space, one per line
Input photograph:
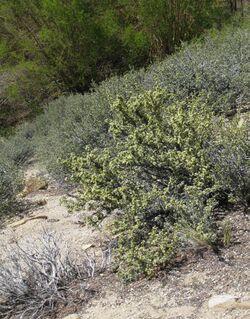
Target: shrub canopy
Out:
[10,183]
[159,172]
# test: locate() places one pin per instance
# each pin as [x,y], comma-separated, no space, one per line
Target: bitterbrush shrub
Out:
[230,155]
[160,172]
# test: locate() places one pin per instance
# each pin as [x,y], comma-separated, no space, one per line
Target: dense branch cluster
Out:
[38,277]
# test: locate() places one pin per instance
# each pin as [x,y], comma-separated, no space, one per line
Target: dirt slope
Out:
[182,293]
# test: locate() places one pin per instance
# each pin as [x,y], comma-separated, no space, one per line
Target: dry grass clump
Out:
[41,277]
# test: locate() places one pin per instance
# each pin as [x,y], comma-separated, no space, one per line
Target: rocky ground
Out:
[192,289]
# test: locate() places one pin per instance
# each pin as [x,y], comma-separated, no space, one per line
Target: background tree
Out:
[60,46]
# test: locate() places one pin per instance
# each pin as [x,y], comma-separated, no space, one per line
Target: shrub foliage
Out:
[158,170]
[10,183]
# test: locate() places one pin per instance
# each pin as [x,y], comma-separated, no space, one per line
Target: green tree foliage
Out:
[167,23]
[159,170]
[61,45]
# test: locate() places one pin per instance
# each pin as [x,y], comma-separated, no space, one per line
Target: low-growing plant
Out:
[15,152]
[39,277]
[157,170]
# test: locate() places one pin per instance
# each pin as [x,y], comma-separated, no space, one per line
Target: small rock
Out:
[221,301]
[73,316]
[33,184]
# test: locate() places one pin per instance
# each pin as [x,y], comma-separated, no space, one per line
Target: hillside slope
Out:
[181,292]
[153,168]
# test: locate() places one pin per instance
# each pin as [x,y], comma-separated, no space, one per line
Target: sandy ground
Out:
[65,225]
[181,293]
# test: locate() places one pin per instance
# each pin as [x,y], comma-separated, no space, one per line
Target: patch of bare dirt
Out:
[45,211]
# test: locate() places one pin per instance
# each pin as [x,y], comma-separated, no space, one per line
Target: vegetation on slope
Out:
[10,183]
[156,144]
[51,47]
[162,169]
[217,67]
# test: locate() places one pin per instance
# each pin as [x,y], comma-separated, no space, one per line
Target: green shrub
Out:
[15,152]
[81,40]
[158,170]
[227,233]
[10,183]
[67,125]
[231,160]
[23,89]
[19,148]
